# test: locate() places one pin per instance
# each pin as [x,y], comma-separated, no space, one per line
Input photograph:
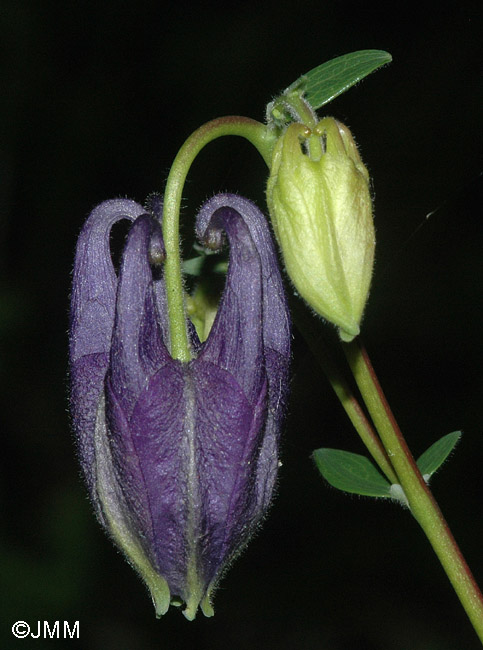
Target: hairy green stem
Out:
[263,139]
[299,107]
[311,333]
[420,499]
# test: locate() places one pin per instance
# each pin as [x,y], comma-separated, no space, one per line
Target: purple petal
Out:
[276,320]
[235,342]
[229,431]
[137,348]
[238,433]
[149,452]
[91,321]
[94,283]
[275,324]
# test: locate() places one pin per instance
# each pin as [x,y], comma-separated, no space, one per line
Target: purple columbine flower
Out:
[180,459]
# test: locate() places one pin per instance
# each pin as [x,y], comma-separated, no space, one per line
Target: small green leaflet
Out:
[194,265]
[327,81]
[355,473]
[434,456]
[351,472]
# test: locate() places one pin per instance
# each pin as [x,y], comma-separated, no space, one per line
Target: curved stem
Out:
[303,112]
[263,139]
[420,499]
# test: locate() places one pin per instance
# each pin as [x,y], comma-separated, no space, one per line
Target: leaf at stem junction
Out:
[327,81]
[434,456]
[351,473]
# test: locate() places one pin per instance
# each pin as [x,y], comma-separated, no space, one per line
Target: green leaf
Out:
[327,81]
[434,456]
[351,473]
[194,265]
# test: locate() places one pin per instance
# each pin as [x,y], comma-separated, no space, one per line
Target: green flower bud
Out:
[319,201]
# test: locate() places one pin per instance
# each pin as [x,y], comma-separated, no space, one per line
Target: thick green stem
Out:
[263,139]
[420,499]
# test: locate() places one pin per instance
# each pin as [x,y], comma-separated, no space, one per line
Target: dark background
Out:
[96,100]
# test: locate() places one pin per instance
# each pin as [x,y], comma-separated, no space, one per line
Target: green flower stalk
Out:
[319,200]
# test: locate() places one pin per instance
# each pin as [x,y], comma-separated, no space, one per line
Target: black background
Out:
[96,100]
